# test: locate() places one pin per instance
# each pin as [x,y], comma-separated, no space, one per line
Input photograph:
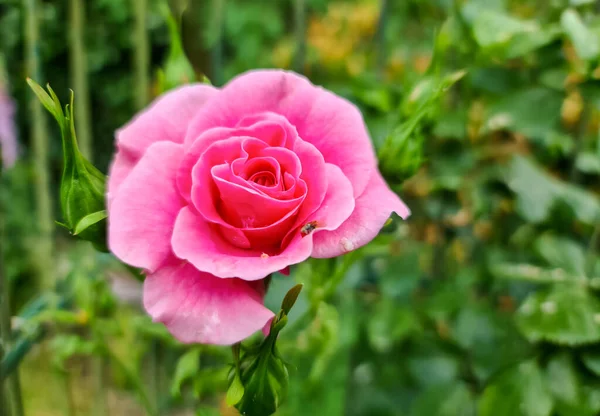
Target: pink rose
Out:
[212,190]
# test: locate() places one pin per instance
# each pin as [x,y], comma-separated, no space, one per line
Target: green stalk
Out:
[40,153]
[5,397]
[141,54]
[217,51]
[300,31]
[135,380]
[69,400]
[79,74]
[380,37]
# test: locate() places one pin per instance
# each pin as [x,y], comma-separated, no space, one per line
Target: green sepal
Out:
[259,379]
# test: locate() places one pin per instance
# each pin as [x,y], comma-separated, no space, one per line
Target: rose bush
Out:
[211,190]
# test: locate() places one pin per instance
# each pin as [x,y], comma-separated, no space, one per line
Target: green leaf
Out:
[390,324]
[534,112]
[66,346]
[492,341]
[431,366]
[586,42]
[529,273]
[89,220]
[518,391]
[584,204]
[562,252]
[588,162]
[235,391]
[187,368]
[564,382]
[565,316]
[444,400]
[537,193]
[290,298]
[591,359]
[495,28]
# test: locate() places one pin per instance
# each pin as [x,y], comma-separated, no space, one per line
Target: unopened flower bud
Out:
[82,186]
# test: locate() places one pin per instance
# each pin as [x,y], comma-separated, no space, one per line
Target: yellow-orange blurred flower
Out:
[572,107]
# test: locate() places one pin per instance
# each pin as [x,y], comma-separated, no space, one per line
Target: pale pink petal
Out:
[198,307]
[166,119]
[331,123]
[373,208]
[201,244]
[142,214]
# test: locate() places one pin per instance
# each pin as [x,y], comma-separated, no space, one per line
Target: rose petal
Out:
[142,214]
[166,119]
[373,208]
[331,123]
[338,203]
[197,241]
[198,307]
[247,208]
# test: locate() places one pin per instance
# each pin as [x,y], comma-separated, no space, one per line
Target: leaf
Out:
[529,273]
[432,366]
[537,193]
[565,384]
[235,391]
[591,359]
[290,298]
[89,220]
[495,28]
[584,204]
[492,341]
[562,252]
[390,324]
[588,162]
[534,112]
[187,367]
[445,400]
[564,316]
[586,42]
[518,391]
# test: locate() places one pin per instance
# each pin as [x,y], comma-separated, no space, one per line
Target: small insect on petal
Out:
[308,228]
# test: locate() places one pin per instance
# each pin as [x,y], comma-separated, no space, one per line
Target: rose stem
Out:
[300,29]
[141,52]
[39,139]
[79,76]
[380,36]
[217,50]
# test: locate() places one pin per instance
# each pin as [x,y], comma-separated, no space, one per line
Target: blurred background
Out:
[485,115]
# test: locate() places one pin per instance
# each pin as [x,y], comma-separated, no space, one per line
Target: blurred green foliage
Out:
[485,302]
